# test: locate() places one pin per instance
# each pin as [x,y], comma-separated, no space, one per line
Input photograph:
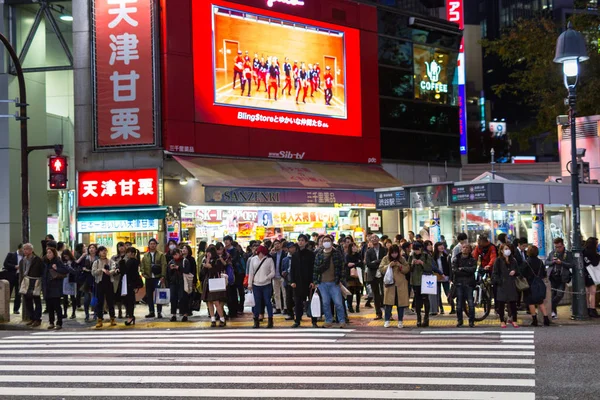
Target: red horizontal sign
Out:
[117,188]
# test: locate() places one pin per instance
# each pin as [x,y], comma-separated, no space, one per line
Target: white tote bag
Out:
[359,271]
[249,300]
[162,296]
[594,271]
[217,285]
[124,286]
[388,278]
[429,284]
[315,305]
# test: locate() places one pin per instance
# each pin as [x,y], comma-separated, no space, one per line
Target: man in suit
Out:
[11,274]
[301,278]
[372,260]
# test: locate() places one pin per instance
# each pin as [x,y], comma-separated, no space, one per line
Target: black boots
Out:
[534,321]
[270,322]
[256,323]
[419,320]
[546,321]
[593,313]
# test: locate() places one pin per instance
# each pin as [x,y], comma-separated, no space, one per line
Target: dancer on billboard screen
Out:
[236,34]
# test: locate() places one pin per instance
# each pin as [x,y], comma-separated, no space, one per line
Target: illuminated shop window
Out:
[435,75]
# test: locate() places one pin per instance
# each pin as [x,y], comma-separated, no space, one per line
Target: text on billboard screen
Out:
[273,71]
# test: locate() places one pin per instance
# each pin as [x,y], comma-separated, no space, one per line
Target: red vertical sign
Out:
[124,73]
[454,12]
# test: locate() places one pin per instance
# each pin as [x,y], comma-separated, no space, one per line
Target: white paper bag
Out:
[429,284]
[594,271]
[315,305]
[124,286]
[69,288]
[360,275]
[217,284]
[249,300]
[162,296]
[388,278]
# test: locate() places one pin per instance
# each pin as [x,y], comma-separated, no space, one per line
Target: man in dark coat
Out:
[372,260]
[11,274]
[301,276]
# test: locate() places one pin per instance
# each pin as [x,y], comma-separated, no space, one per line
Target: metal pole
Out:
[579,300]
[24,149]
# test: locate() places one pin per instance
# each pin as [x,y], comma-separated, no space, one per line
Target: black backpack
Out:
[537,288]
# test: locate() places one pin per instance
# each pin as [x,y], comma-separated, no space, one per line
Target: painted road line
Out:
[273,346]
[237,352]
[271,368]
[262,379]
[148,341]
[276,360]
[83,335]
[266,393]
[318,331]
[475,332]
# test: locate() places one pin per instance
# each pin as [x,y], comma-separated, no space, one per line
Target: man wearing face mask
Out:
[373,258]
[328,273]
[463,277]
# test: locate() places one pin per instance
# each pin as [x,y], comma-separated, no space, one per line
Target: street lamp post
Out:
[570,51]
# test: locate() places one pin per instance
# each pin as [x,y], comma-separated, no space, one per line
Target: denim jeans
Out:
[262,298]
[558,293]
[464,292]
[388,313]
[331,291]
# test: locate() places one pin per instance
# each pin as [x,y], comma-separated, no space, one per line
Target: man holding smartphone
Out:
[154,270]
[560,262]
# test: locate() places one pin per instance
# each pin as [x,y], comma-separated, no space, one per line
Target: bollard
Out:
[4,301]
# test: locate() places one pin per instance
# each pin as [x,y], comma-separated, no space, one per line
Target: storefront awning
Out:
[240,173]
[121,214]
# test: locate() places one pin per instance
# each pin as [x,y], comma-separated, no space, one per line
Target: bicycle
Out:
[482,296]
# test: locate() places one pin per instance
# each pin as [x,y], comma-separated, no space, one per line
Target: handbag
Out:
[429,284]
[594,271]
[196,301]
[521,283]
[188,283]
[162,296]
[29,289]
[249,300]
[94,299]
[56,275]
[124,286]
[247,277]
[217,284]
[353,273]
[388,278]
[315,305]
[345,291]
[359,271]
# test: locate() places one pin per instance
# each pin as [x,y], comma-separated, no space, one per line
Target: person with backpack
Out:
[560,261]
[534,271]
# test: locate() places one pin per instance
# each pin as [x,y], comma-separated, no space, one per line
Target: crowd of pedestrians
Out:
[279,277]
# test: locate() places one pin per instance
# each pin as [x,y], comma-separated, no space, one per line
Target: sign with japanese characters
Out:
[117,226]
[124,72]
[117,188]
[392,199]
[215,194]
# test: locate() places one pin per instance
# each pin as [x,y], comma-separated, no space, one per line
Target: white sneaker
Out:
[386,324]
[400,325]
[554,316]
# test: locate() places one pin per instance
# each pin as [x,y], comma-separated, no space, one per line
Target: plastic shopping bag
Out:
[249,300]
[162,296]
[124,286]
[359,271]
[315,305]
[594,271]
[388,279]
[428,284]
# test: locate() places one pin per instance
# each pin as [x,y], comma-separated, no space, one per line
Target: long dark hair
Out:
[67,256]
[394,249]
[189,249]
[591,250]
[202,246]
[436,253]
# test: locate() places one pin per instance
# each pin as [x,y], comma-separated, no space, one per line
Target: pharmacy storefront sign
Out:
[433,74]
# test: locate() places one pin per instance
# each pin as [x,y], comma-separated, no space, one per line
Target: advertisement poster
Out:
[245,229]
[173,229]
[275,71]
[537,228]
[265,218]
[374,222]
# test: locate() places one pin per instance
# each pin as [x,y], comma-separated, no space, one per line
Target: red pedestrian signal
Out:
[57,167]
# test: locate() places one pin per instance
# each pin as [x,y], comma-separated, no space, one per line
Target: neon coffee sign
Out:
[288,2]
[433,73]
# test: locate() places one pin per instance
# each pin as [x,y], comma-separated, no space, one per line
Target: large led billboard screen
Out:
[261,69]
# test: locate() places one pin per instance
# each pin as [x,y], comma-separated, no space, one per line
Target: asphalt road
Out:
[365,363]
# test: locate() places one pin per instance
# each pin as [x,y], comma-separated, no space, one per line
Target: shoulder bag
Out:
[255,272]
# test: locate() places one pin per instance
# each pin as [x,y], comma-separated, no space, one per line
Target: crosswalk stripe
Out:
[272,368]
[104,332]
[278,346]
[267,393]
[78,340]
[498,352]
[275,360]
[53,335]
[318,380]
[474,332]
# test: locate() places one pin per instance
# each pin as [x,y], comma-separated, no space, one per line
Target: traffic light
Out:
[58,172]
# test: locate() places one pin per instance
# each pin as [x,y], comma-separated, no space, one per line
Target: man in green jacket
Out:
[154,270]
[420,264]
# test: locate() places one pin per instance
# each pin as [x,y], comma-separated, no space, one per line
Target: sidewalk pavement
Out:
[200,320]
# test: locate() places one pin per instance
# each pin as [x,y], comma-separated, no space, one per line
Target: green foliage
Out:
[527,50]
